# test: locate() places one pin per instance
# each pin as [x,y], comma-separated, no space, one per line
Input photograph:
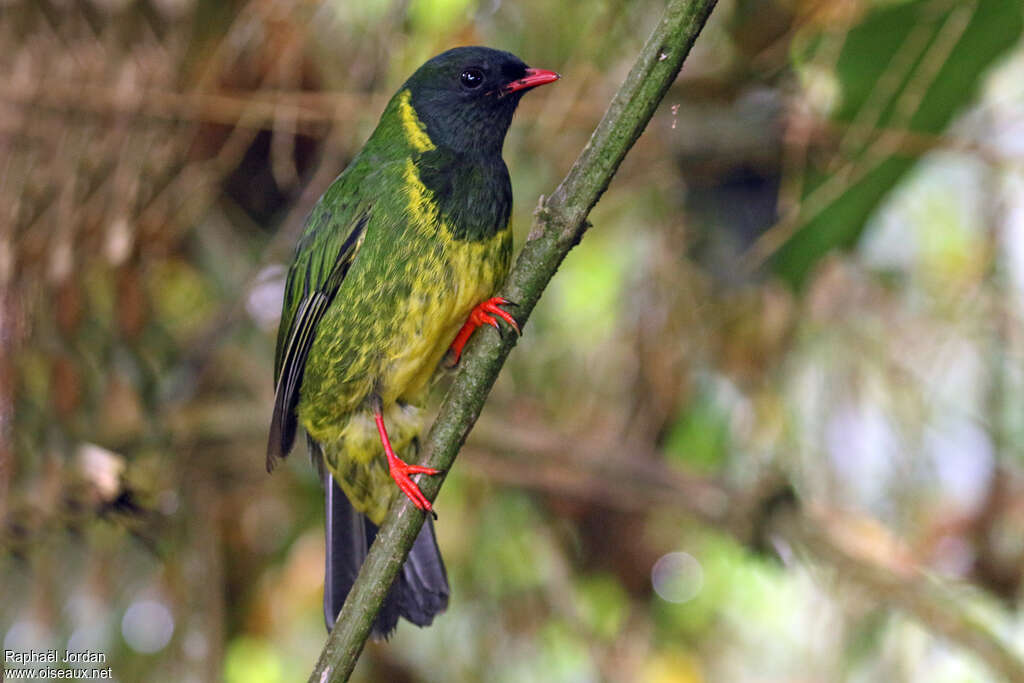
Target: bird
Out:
[396,267]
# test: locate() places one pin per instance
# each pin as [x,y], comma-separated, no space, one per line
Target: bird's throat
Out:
[473,194]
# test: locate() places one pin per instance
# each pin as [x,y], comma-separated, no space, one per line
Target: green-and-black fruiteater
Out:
[398,263]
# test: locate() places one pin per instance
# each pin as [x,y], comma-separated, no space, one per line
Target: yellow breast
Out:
[449,280]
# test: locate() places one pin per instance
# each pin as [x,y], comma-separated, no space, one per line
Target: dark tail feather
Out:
[421,590]
[422,586]
[347,543]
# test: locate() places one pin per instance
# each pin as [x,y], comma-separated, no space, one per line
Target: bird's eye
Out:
[472,78]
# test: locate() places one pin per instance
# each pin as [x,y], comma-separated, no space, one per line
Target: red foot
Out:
[483,314]
[400,471]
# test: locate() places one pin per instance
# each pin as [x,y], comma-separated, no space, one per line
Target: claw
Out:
[483,314]
[400,471]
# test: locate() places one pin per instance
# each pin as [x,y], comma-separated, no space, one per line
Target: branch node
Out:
[541,215]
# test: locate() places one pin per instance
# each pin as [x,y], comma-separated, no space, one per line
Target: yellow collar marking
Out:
[422,207]
[415,131]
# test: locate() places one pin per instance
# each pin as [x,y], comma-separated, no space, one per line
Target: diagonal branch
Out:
[560,223]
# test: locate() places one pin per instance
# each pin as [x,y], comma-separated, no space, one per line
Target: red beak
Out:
[532,79]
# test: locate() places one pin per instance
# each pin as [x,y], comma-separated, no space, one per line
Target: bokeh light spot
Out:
[677,577]
[147,626]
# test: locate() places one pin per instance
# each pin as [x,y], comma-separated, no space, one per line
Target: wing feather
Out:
[320,266]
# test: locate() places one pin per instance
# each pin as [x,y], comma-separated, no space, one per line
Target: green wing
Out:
[333,236]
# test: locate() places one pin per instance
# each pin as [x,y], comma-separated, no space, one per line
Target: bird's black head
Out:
[467,95]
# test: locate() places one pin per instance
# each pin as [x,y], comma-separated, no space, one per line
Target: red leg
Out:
[400,471]
[483,314]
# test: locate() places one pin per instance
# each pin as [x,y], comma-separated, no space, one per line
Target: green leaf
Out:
[699,439]
[908,67]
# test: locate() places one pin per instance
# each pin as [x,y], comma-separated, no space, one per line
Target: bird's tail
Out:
[419,593]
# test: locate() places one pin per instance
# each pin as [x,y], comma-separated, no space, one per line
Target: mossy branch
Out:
[559,225]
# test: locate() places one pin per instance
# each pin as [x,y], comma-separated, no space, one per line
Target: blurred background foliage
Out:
[764,426]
